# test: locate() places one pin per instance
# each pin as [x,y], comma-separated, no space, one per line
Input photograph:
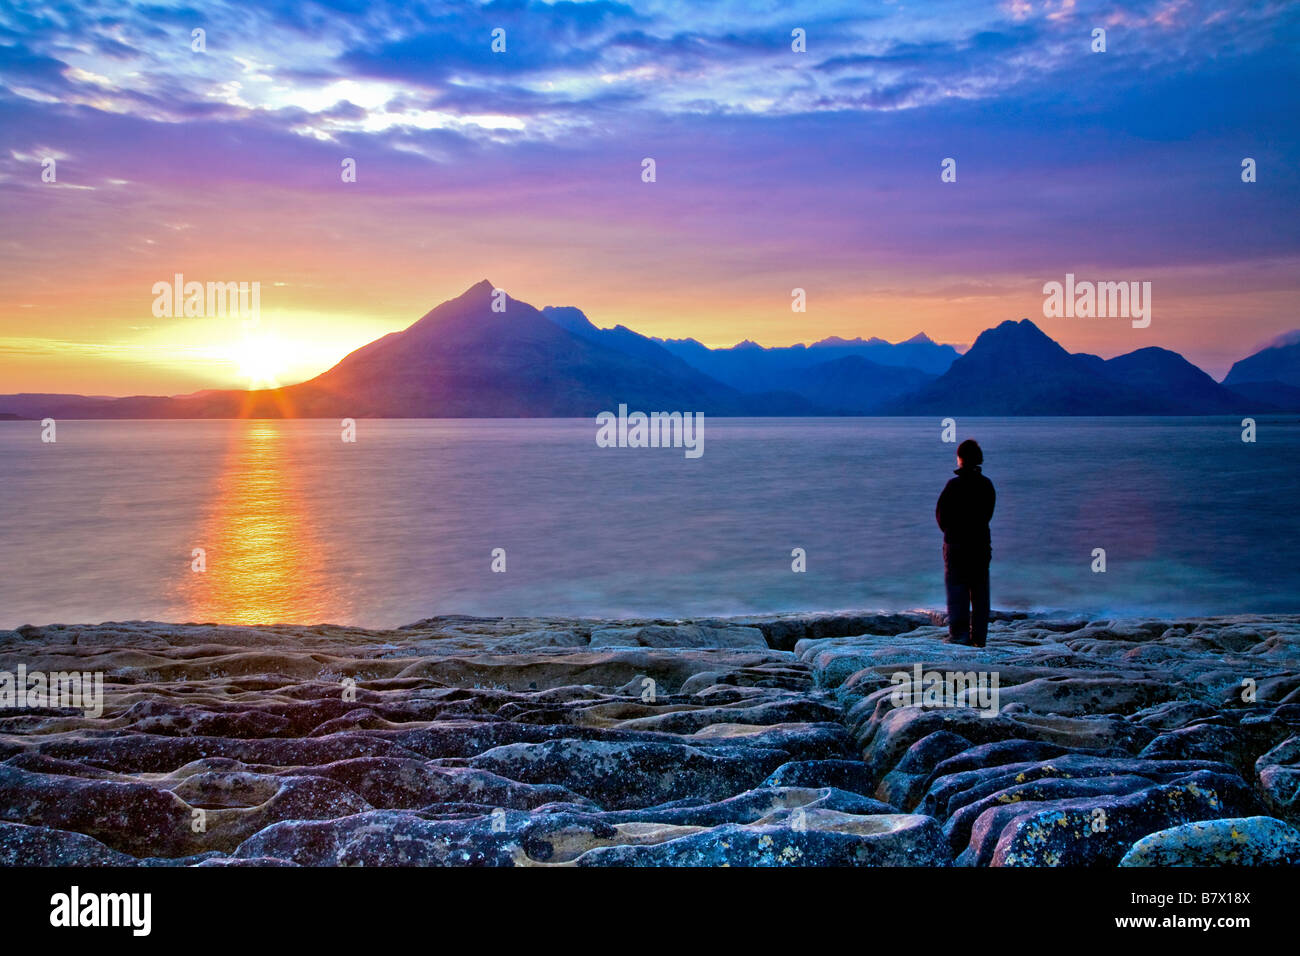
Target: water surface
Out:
[298,526]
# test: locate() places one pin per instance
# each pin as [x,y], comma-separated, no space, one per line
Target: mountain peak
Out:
[920,338]
[1283,340]
[1276,362]
[1022,329]
[479,292]
[570,317]
[1022,338]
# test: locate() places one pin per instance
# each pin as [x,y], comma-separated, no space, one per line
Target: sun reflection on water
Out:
[265,564]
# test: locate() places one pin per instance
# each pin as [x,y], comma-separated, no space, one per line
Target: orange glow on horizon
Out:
[303,332]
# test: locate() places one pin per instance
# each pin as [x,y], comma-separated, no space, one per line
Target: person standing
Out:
[964,510]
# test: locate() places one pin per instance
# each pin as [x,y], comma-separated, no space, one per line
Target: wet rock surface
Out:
[786,740]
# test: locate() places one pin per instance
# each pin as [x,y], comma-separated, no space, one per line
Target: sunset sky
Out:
[775,170]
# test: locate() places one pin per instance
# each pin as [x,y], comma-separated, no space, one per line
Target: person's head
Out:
[969,453]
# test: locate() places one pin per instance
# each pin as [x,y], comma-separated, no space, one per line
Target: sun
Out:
[261,359]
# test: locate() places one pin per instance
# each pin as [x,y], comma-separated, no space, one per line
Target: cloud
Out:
[824,163]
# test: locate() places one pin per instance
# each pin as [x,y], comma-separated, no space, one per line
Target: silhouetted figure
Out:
[963,512]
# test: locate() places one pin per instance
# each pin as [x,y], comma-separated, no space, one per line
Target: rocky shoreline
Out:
[802,739]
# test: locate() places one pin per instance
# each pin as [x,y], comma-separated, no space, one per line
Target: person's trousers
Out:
[966,579]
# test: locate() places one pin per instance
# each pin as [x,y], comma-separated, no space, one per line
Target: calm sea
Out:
[297,526]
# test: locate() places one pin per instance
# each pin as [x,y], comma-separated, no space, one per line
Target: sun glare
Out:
[261,360]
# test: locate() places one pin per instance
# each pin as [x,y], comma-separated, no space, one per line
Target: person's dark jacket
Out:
[964,510]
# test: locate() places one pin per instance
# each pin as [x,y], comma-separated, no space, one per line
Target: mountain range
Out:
[464,359]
